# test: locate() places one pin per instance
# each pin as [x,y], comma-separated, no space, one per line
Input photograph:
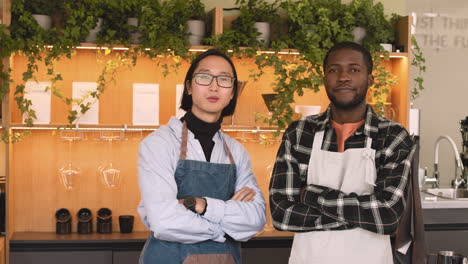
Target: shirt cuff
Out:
[214,210]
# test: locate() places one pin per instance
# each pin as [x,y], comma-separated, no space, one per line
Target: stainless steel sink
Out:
[449,193]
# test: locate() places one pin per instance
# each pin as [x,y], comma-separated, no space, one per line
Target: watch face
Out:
[190,203]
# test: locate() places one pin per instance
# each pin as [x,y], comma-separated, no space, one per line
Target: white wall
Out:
[445,101]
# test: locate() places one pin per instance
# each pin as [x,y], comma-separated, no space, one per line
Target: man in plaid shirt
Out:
[340,178]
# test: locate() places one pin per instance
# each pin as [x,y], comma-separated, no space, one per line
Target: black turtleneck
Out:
[203,131]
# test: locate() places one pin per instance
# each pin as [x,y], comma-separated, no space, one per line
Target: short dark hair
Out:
[187,102]
[352,46]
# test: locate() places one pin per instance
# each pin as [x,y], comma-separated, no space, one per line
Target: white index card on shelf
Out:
[40,98]
[81,89]
[145,104]
[179,92]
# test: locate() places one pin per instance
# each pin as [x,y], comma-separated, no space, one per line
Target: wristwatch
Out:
[190,203]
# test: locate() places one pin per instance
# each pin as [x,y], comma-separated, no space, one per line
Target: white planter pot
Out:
[44,21]
[92,36]
[387,47]
[196,32]
[359,34]
[134,35]
[264,29]
[307,110]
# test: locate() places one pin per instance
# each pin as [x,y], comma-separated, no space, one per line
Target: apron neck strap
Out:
[318,139]
[183,145]
[368,142]
[231,158]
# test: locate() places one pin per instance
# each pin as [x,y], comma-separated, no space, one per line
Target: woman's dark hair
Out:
[352,46]
[186,103]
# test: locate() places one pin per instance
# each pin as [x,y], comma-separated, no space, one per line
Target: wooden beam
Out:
[217,20]
[404,33]
[6,12]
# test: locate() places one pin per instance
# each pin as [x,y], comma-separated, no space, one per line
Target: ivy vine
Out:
[313,27]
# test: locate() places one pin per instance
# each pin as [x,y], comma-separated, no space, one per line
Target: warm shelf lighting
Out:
[85,129]
[137,129]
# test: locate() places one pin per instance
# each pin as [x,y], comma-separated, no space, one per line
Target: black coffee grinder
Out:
[464,154]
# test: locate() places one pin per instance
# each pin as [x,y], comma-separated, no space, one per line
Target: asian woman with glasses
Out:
[199,195]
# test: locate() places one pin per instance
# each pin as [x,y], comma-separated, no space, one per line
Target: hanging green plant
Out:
[121,60]
[315,26]
[419,62]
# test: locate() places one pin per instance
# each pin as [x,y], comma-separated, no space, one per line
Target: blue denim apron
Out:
[198,179]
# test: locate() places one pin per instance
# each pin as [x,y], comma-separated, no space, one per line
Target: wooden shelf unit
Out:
[5,15]
[34,190]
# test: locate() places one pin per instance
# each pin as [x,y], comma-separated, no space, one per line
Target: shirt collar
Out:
[370,127]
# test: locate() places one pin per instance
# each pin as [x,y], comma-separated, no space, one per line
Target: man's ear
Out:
[370,80]
[189,88]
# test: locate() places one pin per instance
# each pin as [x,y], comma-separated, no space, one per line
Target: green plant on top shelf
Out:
[114,28]
[315,26]
[242,33]
[197,9]
[163,27]
[252,11]
[372,18]
[41,7]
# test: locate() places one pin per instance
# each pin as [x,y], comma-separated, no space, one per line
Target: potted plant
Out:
[254,21]
[80,16]
[133,10]
[196,23]
[370,17]
[163,27]
[97,11]
[41,10]
[315,25]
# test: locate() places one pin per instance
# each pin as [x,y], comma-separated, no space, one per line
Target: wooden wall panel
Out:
[38,192]
[404,33]
[6,12]
[400,93]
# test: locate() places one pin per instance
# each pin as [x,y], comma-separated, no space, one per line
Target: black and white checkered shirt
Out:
[299,207]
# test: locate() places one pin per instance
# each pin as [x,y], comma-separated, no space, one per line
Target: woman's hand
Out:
[245,194]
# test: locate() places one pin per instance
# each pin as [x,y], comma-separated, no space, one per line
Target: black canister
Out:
[63,224]
[104,221]
[126,223]
[85,225]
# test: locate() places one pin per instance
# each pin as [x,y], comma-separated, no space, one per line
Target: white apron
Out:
[349,171]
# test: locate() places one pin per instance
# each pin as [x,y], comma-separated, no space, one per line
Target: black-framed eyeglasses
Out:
[206,79]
